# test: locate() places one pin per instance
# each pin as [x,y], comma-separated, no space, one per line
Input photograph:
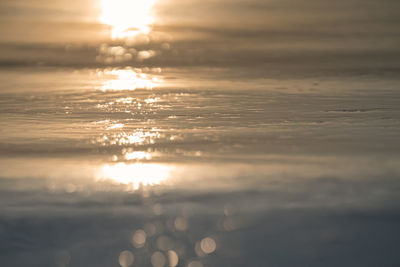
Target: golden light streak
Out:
[135,175]
[126,79]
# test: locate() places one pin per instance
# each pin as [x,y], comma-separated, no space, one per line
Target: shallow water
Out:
[286,172]
[216,137]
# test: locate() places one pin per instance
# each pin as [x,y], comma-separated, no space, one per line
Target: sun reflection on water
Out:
[137,137]
[135,175]
[127,17]
[127,79]
[137,155]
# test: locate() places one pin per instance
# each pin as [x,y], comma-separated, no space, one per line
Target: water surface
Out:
[247,133]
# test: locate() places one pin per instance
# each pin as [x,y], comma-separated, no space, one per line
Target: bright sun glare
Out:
[135,175]
[127,17]
[127,79]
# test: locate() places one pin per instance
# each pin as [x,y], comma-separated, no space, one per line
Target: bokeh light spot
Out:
[173,258]
[126,258]
[158,259]
[208,245]
[139,238]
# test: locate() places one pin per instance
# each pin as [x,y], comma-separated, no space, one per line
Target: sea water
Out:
[206,146]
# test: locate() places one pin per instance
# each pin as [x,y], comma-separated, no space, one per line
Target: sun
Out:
[127,17]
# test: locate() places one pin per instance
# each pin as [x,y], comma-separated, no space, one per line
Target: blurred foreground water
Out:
[210,133]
